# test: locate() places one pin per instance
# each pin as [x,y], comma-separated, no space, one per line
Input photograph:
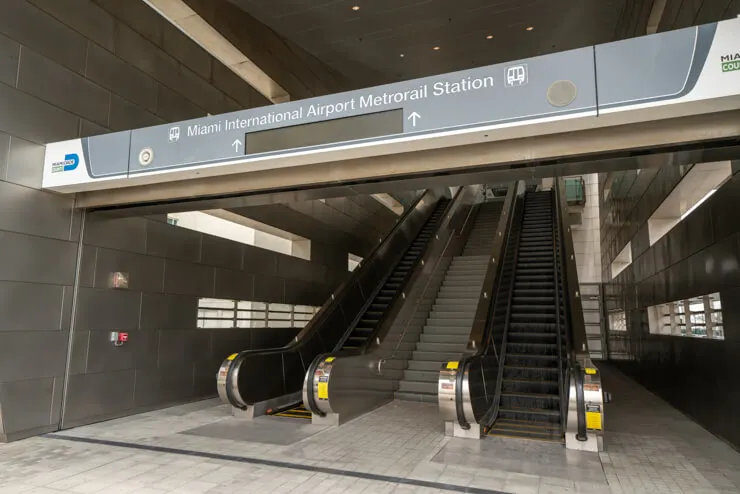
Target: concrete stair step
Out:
[441,347]
[418,397]
[425,365]
[436,356]
[461,322]
[449,314]
[446,330]
[421,376]
[449,339]
[417,387]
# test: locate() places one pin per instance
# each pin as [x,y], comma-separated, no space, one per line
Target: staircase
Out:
[368,323]
[529,406]
[445,335]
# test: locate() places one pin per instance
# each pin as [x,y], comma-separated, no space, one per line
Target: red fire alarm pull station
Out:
[118,338]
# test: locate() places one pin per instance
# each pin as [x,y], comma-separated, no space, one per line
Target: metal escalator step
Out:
[534,327]
[534,317]
[517,307]
[531,348]
[523,336]
[518,299]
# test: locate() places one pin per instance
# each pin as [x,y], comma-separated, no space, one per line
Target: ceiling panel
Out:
[367,44]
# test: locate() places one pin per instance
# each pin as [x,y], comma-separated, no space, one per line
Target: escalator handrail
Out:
[574,323]
[557,273]
[338,294]
[578,373]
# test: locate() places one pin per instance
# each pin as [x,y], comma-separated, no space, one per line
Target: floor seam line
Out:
[275,464]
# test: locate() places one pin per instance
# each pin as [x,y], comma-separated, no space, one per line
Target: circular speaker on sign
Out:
[561,93]
[146,156]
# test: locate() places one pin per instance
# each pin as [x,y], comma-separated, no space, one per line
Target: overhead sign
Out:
[667,68]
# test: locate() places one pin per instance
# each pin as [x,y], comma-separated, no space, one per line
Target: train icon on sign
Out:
[517,75]
[174,134]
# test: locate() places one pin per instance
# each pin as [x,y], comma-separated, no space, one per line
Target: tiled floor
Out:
[397,448]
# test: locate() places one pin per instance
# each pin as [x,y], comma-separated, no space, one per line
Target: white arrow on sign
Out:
[236,145]
[413,117]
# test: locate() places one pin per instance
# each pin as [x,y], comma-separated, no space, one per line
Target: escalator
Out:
[531,377]
[367,324]
[529,403]
[269,381]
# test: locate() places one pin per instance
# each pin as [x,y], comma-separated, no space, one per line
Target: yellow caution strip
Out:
[298,412]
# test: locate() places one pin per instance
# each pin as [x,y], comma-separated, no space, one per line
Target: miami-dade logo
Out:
[730,62]
[70,163]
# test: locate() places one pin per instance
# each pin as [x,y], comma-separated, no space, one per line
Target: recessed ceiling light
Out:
[436,48]
[530,28]
[356,8]
[490,36]
[402,55]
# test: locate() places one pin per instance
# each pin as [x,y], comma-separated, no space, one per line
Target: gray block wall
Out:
[71,68]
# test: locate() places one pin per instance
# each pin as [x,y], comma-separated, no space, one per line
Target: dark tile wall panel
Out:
[34,120]
[107,310]
[28,404]
[71,68]
[9,56]
[43,345]
[125,115]
[92,397]
[700,255]
[161,312]
[36,259]
[172,242]
[177,44]
[22,166]
[18,298]
[36,29]
[31,212]
[55,84]
[188,279]
[221,252]
[83,16]
[112,73]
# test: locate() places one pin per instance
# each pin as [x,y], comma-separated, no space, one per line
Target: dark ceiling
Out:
[367,45]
